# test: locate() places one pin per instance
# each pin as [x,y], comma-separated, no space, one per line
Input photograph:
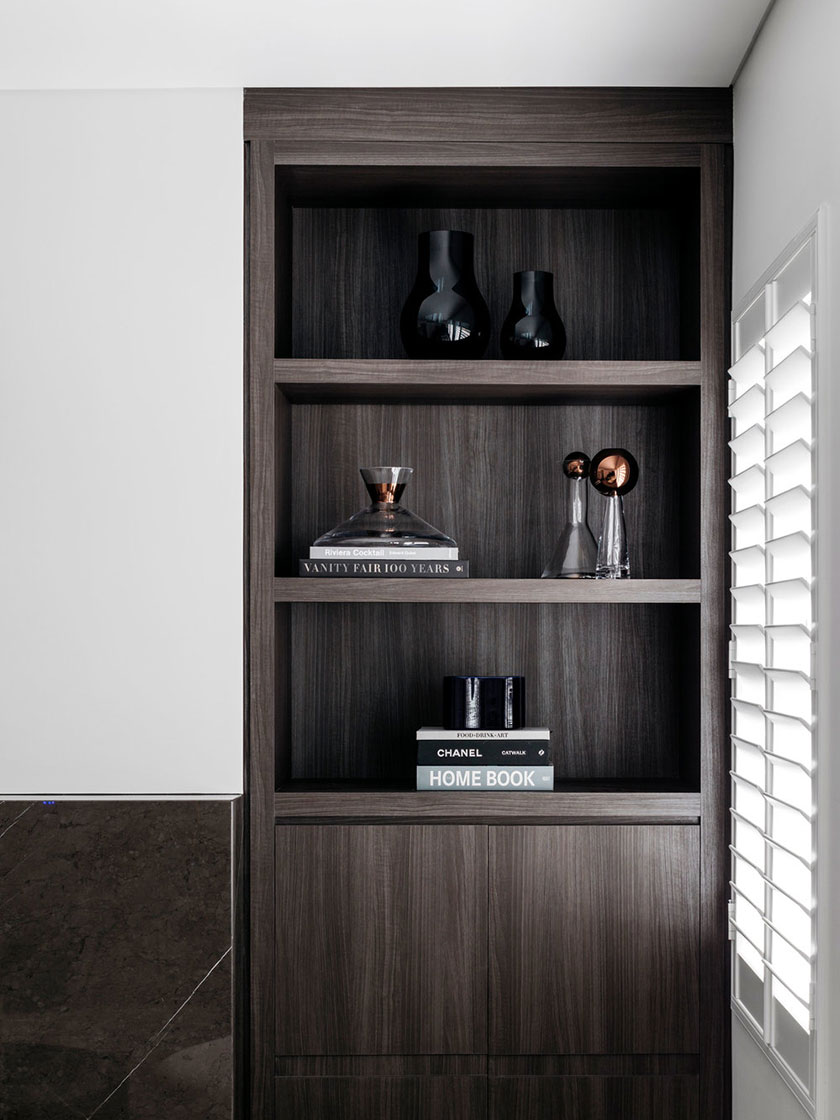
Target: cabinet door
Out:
[596,1098]
[381,935]
[381,1098]
[594,939]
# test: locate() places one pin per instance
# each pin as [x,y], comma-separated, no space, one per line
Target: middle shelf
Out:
[489,474]
[296,589]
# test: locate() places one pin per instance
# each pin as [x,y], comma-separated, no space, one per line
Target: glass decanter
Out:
[575,553]
[385,521]
[614,472]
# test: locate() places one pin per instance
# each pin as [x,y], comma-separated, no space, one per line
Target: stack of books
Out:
[387,561]
[500,760]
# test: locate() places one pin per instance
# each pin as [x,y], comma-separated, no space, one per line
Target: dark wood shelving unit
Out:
[423,955]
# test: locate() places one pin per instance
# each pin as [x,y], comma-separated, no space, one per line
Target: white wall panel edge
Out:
[121,443]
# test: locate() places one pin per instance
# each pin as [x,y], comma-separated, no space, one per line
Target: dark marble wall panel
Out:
[115,960]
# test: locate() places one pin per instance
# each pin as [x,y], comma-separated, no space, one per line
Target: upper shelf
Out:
[306,379]
[297,589]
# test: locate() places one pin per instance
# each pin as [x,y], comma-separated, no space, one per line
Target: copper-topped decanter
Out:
[385,521]
[613,472]
[575,553]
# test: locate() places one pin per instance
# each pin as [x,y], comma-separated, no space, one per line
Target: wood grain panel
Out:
[490,476]
[365,676]
[345,378]
[240,996]
[524,115]
[715,213]
[593,939]
[564,182]
[593,1098]
[593,1065]
[383,1065]
[369,803]
[381,1098]
[455,155]
[260,622]
[616,276]
[293,589]
[381,939]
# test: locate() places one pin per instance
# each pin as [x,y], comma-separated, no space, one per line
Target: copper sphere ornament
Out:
[576,465]
[613,472]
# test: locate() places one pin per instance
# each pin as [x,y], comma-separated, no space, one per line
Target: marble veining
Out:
[115,987]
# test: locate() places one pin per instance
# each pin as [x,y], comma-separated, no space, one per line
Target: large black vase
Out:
[533,329]
[445,316]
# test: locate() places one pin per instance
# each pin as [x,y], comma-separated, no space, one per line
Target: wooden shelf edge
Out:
[299,376]
[301,589]
[557,807]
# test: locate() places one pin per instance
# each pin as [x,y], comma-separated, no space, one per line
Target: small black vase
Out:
[445,316]
[533,329]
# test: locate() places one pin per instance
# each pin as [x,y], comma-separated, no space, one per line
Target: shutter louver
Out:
[772,664]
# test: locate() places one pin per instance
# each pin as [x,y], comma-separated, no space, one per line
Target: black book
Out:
[484,752]
[385,569]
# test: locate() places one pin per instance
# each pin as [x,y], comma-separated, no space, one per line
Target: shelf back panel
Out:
[617,685]
[625,280]
[490,476]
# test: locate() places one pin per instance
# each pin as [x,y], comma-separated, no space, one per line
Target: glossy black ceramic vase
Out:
[445,316]
[533,329]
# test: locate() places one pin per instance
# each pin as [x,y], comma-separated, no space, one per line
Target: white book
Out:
[380,552]
[519,733]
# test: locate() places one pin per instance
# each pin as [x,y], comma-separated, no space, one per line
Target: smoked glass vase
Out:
[575,554]
[445,315]
[385,521]
[533,329]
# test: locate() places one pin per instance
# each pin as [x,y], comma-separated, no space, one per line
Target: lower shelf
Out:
[298,589]
[573,803]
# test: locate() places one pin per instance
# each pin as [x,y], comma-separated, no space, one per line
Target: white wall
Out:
[787,164]
[121,443]
[55,44]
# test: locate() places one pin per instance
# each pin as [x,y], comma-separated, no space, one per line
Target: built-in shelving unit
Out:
[617,879]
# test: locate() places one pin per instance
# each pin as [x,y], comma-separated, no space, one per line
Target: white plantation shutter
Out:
[772,402]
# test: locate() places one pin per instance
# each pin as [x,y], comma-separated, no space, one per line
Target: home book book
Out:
[522,779]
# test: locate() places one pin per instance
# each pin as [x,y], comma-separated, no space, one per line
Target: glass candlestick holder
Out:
[575,554]
[385,521]
[613,472]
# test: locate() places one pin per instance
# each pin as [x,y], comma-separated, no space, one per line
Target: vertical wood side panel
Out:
[260,273]
[714,746]
[240,1002]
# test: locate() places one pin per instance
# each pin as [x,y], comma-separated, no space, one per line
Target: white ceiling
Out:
[94,44]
